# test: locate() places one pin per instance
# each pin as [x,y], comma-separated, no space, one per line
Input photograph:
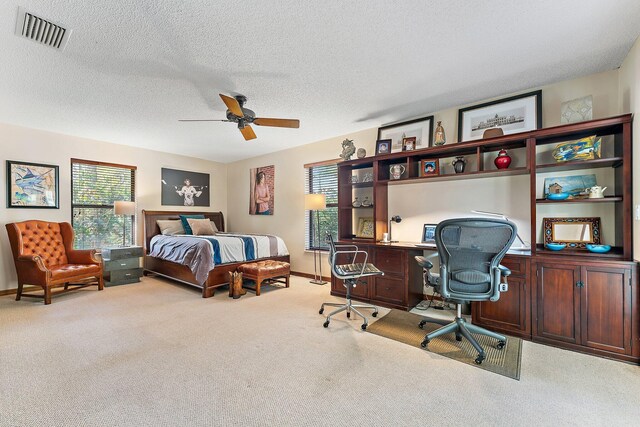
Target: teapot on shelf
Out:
[596,192]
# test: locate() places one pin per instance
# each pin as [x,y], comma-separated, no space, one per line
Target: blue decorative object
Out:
[557,196]
[599,249]
[555,246]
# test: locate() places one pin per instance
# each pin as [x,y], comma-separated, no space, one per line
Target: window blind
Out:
[321,178]
[95,186]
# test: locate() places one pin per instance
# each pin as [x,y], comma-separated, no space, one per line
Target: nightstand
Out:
[122,265]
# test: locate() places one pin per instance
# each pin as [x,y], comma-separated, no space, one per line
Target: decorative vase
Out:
[361,153]
[356,203]
[396,171]
[503,160]
[366,203]
[458,164]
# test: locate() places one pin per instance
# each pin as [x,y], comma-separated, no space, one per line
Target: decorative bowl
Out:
[599,249]
[555,246]
[557,196]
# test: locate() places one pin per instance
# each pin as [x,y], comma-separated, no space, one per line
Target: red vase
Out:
[503,160]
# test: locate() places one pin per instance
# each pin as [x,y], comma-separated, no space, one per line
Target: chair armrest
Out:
[82,256]
[504,271]
[33,261]
[424,263]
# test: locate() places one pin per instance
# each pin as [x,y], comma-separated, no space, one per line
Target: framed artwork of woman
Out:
[261,190]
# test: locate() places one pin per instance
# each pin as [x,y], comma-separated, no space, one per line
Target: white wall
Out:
[417,203]
[30,145]
[630,103]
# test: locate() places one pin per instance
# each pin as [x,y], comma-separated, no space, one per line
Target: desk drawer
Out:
[391,261]
[517,265]
[386,289]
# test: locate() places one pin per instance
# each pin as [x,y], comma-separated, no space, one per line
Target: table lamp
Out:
[124,208]
[316,202]
[396,219]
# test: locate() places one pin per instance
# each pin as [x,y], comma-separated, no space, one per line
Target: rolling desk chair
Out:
[350,274]
[470,251]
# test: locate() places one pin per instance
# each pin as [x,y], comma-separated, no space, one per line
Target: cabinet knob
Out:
[579,284]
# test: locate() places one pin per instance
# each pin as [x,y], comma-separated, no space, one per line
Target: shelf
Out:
[359,184]
[464,175]
[353,207]
[586,200]
[612,162]
[614,253]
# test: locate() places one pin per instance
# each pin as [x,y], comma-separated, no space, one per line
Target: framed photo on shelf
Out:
[421,129]
[574,232]
[32,185]
[515,114]
[409,144]
[383,146]
[429,167]
[365,227]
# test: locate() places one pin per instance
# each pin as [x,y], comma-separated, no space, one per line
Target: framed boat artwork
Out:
[588,148]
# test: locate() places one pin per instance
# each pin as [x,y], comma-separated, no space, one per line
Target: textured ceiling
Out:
[133,68]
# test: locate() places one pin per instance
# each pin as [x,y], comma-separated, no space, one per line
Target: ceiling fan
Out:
[236,113]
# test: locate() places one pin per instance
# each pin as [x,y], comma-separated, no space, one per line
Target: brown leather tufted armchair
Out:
[44,256]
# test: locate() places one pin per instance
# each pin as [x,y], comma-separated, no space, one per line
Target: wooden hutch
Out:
[571,298]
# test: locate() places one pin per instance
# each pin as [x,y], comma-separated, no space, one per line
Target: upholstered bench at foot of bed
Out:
[264,270]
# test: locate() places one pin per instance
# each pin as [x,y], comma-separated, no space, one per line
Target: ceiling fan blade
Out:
[281,123]
[202,120]
[248,132]
[232,104]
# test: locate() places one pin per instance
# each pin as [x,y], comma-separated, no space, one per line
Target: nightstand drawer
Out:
[113,254]
[121,264]
[118,275]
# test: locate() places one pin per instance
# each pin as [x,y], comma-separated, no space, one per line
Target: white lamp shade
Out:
[315,202]
[122,207]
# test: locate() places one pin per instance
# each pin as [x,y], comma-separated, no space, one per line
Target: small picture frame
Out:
[383,146]
[365,228]
[409,143]
[421,129]
[429,167]
[32,185]
[429,233]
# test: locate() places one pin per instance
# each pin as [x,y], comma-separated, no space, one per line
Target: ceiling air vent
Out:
[41,30]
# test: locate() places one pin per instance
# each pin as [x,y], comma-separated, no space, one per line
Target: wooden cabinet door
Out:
[558,302]
[606,309]
[509,313]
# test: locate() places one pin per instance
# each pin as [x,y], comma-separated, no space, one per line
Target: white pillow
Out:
[170,227]
[213,225]
[201,227]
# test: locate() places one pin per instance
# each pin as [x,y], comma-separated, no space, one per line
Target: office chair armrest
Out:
[504,271]
[424,263]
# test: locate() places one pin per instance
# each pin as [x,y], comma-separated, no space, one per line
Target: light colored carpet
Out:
[157,354]
[403,327]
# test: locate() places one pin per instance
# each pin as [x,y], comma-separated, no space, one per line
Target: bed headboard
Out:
[151,227]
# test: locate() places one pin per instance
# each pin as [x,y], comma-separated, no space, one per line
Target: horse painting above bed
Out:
[204,261]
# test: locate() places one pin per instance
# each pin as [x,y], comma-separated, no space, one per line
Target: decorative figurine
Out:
[555,188]
[458,164]
[362,153]
[348,149]
[366,203]
[503,160]
[356,203]
[439,137]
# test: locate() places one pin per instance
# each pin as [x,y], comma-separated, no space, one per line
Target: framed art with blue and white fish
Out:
[32,185]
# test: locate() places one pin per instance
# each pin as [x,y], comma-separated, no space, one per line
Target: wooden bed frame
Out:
[217,277]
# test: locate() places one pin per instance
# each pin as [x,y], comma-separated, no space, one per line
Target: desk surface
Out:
[417,246]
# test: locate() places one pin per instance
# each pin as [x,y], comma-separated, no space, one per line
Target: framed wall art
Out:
[421,129]
[515,114]
[184,188]
[574,232]
[32,185]
[365,228]
[262,186]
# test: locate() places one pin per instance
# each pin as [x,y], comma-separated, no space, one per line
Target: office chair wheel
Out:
[364,326]
[479,359]
[424,343]
[501,345]
[374,314]
[421,324]
[321,311]
[458,337]
[326,324]
[348,315]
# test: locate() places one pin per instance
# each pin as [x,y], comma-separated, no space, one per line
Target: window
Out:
[95,186]
[322,178]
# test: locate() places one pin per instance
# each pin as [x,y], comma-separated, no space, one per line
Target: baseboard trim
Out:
[308,276]
[13,291]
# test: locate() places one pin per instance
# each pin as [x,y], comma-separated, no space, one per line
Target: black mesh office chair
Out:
[350,273]
[470,251]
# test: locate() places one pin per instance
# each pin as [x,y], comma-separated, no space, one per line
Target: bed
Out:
[181,273]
